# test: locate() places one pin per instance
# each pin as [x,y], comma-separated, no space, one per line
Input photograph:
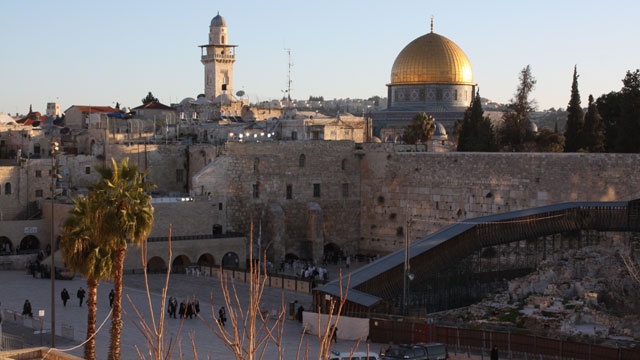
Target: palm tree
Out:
[420,129]
[128,217]
[84,251]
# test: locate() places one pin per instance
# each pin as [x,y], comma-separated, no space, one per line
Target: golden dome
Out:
[431,58]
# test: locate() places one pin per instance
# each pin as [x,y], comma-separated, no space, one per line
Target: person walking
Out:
[183,309]
[111,295]
[173,303]
[222,316]
[80,294]
[65,296]
[334,333]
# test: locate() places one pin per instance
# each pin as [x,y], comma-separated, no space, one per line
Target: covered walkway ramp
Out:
[459,264]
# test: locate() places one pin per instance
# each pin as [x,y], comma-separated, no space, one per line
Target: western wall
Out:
[436,189]
[390,184]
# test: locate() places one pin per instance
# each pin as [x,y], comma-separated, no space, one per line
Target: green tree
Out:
[475,132]
[420,129]
[127,218]
[149,99]
[516,125]
[548,140]
[629,124]
[608,106]
[574,136]
[84,251]
[594,128]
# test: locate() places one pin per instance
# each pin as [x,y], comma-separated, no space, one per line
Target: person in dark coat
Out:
[183,309]
[189,310]
[494,353]
[80,294]
[222,316]
[299,313]
[26,308]
[196,307]
[111,295]
[173,303]
[65,296]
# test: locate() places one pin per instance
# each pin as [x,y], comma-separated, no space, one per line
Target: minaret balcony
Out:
[218,57]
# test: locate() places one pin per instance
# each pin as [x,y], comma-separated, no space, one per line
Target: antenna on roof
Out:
[431,23]
[290,64]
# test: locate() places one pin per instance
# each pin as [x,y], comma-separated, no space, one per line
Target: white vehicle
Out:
[356,355]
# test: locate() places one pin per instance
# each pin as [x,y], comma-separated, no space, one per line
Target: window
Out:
[7,189]
[343,165]
[289,192]
[294,135]
[179,175]
[455,94]
[220,206]
[87,170]
[256,191]
[38,193]
[345,190]
[256,165]
[301,160]
[38,173]
[316,190]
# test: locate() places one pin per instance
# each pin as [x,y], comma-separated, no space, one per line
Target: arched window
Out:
[7,189]
[301,160]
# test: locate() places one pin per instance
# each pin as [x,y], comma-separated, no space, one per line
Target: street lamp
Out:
[407,275]
[55,151]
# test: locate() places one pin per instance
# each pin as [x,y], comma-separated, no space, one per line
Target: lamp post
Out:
[55,151]
[407,275]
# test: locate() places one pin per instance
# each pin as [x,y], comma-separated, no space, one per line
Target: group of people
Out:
[187,309]
[80,294]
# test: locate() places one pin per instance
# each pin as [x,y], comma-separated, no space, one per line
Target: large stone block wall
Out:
[162,161]
[437,189]
[274,165]
[185,218]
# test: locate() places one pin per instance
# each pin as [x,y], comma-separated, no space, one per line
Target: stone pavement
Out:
[17,286]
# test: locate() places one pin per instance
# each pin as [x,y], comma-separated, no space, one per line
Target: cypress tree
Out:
[593,128]
[575,118]
[476,132]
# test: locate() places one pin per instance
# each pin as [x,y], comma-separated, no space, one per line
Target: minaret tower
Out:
[218,58]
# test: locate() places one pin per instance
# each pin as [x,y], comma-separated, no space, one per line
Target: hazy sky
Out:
[87,52]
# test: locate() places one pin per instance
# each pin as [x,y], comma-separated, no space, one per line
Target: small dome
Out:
[224,99]
[187,101]
[431,59]
[218,21]
[440,133]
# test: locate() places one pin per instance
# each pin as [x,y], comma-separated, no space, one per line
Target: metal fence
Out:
[11,342]
[479,342]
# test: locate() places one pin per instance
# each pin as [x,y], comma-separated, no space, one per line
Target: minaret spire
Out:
[431,23]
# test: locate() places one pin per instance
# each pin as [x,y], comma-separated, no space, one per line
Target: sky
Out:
[79,52]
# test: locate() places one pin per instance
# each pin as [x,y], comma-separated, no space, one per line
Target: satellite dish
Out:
[240,93]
